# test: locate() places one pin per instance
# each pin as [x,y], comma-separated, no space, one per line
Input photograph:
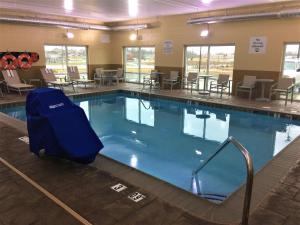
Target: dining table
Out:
[263,84]
[108,74]
[205,77]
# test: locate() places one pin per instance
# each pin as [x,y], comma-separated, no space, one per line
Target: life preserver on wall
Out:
[35,56]
[24,61]
[9,62]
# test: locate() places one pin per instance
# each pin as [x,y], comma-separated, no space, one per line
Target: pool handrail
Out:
[250,173]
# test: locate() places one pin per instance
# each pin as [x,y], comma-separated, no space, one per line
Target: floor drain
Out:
[118,187]
[136,197]
[24,139]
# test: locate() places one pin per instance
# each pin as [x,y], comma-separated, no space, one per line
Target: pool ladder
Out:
[249,165]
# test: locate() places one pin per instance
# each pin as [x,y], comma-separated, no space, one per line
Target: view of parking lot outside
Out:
[291,65]
[58,57]
[212,60]
[138,61]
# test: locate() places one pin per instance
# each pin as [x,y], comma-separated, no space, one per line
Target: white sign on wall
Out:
[105,38]
[257,45]
[168,47]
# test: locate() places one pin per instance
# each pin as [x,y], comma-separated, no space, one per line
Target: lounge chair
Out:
[172,80]
[13,82]
[74,76]
[247,85]
[283,86]
[222,83]
[50,79]
[192,78]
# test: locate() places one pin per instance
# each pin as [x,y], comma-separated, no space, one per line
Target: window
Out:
[58,57]
[212,60]
[291,64]
[138,63]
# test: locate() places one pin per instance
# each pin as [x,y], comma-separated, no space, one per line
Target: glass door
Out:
[147,59]
[77,56]
[132,65]
[138,63]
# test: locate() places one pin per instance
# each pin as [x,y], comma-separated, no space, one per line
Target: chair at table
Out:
[222,83]
[283,86]
[120,75]
[152,80]
[191,79]
[98,75]
[247,85]
[172,80]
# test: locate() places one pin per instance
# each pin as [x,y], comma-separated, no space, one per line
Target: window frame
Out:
[284,53]
[208,54]
[66,52]
[124,58]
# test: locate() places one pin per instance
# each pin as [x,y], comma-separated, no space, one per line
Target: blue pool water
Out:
[168,139]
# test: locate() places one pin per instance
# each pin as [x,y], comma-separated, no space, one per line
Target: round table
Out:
[263,83]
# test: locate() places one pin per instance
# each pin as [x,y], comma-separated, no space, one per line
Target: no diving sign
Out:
[257,45]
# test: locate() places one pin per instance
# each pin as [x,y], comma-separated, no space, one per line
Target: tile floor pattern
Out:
[83,188]
[86,189]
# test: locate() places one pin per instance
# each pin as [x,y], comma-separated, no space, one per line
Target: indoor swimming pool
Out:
[169,139]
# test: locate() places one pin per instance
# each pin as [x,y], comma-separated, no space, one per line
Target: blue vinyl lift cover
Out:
[60,127]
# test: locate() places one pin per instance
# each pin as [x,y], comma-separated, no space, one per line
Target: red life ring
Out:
[24,61]
[9,62]
[35,56]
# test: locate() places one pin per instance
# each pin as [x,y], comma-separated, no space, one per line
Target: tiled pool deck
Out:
[86,189]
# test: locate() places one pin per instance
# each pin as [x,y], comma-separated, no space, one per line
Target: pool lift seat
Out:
[60,127]
[250,172]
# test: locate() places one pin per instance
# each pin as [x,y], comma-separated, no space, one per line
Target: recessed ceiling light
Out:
[68,5]
[206,1]
[133,8]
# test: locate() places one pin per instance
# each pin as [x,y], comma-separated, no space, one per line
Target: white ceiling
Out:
[117,10]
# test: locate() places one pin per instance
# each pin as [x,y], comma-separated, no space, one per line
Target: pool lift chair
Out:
[249,182]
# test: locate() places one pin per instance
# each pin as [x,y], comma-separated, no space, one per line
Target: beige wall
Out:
[33,39]
[175,28]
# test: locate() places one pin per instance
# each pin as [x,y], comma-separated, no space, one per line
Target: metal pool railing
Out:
[250,172]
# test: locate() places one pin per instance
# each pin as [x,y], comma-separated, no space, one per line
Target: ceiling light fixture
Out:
[133,36]
[206,1]
[204,33]
[68,5]
[69,35]
[133,8]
